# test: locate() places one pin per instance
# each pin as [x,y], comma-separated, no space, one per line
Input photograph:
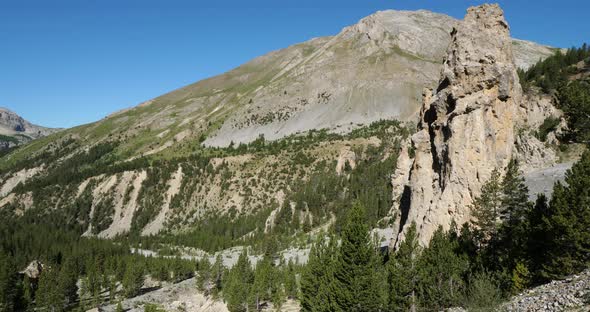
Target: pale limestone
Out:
[173,189]
[467,124]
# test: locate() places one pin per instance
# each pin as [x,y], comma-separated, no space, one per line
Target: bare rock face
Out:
[467,124]
[375,69]
[11,124]
[346,157]
[532,154]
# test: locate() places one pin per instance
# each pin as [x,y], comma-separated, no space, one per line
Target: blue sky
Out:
[65,63]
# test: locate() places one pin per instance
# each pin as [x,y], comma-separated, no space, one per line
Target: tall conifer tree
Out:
[7,284]
[441,273]
[238,285]
[567,223]
[515,209]
[486,210]
[357,283]
[317,280]
[403,273]
[48,295]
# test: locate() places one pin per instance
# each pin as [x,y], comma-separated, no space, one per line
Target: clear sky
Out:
[65,63]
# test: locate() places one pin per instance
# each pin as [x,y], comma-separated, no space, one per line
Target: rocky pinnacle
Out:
[466,127]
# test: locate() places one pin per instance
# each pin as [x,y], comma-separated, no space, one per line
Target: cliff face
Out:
[13,124]
[467,124]
[14,130]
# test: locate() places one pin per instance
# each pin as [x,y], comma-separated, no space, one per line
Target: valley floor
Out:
[571,294]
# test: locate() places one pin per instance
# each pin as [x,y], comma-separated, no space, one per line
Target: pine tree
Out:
[92,285]
[515,203]
[27,294]
[574,99]
[403,273]
[68,279]
[217,276]
[133,279]
[520,278]
[356,271]
[49,296]
[567,223]
[441,273]
[515,209]
[204,276]
[278,296]
[262,288]
[237,287]
[486,210]
[538,237]
[290,281]
[112,286]
[7,284]
[283,218]
[317,279]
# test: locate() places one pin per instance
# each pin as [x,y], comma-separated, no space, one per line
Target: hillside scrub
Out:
[565,76]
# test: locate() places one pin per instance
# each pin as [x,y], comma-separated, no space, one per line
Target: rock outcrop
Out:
[467,124]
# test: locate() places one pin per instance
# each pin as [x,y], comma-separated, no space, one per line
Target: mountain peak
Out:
[15,130]
[411,31]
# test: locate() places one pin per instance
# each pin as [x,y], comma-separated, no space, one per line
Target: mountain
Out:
[325,176]
[375,69]
[14,130]
[164,165]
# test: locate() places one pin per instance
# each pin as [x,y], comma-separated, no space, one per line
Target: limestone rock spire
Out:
[466,127]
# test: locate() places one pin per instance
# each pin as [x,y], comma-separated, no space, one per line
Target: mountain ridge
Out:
[15,130]
[366,72]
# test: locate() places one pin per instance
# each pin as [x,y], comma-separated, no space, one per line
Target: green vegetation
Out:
[549,125]
[9,139]
[310,180]
[67,257]
[554,71]
[53,236]
[213,233]
[358,283]
[575,102]
[249,289]
[566,76]
[348,276]
[512,245]
[565,224]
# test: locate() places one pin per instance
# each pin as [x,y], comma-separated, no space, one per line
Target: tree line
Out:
[510,245]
